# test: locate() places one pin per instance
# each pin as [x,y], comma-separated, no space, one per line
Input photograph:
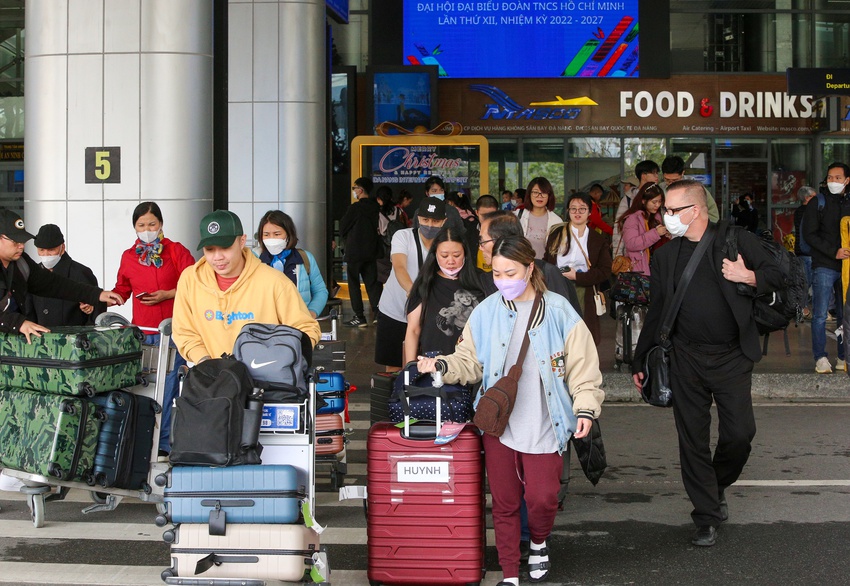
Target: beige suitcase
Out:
[248,551]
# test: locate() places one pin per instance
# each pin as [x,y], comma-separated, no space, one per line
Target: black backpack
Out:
[216,422]
[774,311]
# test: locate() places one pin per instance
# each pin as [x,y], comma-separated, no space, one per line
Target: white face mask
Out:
[275,245]
[835,188]
[675,225]
[147,237]
[440,196]
[49,261]
[354,195]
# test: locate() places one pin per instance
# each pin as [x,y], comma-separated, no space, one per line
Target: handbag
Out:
[599,301]
[495,406]
[621,262]
[591,453]
[631,288]
[655,387]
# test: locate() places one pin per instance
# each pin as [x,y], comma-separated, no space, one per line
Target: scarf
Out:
[150,253]
[279,260]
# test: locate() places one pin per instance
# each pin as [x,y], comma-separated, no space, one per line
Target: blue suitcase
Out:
[235,494]
[331,388]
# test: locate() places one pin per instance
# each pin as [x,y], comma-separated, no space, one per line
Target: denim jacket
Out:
[563,348]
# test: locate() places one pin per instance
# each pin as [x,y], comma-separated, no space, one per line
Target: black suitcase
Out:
[379,398]
[329,356]
[125,442]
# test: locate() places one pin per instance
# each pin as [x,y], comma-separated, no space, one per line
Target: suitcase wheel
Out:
[139,334]
[88,476]
[55,469]
[168,536]
[86,389]
[146,488]
[161,521]
[101,480]
[161,480]
[157,408]
[117,398]
[141,380]
[166,574]
[67,407]
[101,415]
[83,342]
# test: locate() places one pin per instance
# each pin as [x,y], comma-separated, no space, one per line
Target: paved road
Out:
[789,515]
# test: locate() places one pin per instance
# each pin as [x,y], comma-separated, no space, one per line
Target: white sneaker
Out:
[822,366]
[840,365]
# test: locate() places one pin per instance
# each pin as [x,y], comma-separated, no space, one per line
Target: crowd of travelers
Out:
[451,284]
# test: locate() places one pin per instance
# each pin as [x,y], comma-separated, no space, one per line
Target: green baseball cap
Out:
[220,228]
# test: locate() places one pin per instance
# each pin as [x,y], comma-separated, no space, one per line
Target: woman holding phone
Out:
[149,272]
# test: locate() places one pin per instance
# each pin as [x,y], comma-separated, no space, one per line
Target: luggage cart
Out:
[40,489]
[338,463]
[288,436]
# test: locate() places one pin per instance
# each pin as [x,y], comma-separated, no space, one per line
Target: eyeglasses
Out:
[535,193]
[674,211]
[578,210]
[483,242]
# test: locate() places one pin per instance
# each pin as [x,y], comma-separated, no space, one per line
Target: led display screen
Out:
[565,38]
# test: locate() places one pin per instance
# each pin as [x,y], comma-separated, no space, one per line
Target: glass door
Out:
[735,179]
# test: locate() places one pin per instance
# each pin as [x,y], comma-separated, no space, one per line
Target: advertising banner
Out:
[682,105]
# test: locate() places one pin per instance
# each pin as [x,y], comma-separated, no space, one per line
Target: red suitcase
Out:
[425,520]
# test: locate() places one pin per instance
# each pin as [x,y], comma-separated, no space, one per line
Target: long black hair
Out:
[387,201]
[467,278]
[147,207]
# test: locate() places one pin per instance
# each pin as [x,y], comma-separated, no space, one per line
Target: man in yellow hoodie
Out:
[229,288]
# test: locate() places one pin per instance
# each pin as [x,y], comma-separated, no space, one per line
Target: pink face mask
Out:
[451,272]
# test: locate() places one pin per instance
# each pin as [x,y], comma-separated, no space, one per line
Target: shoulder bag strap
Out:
[418,246]
[685,280]
[525,341]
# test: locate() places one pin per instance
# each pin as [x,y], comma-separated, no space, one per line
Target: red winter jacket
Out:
[134,278]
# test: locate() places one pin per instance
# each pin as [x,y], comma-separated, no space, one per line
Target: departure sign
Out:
[818,81]
[563,38]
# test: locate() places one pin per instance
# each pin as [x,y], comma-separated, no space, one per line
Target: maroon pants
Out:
[512,474]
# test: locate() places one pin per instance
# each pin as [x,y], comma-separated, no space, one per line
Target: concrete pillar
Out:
[277,67]
[136,74]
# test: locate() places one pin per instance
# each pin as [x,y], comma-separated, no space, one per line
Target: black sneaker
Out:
[705,536]
[357,322]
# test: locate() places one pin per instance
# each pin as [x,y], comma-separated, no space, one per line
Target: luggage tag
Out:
[321,570]
[448,432]
[309,521]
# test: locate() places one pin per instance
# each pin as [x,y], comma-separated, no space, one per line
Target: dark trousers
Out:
[511,475]
[368,270]
[700,372]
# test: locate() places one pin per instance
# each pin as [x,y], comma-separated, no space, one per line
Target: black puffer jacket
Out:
[38,281]
[822,229]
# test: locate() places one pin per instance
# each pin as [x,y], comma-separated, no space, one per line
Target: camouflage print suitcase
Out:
[49,435]
[73,360]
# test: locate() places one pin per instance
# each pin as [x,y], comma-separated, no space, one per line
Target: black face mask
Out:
[429,232]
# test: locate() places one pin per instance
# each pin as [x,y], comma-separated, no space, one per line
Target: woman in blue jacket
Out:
[558,396]
[276,242]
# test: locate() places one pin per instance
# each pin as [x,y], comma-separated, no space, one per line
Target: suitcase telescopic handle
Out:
[439,393]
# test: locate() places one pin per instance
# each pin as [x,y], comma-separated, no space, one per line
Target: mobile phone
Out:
[566,269]
[140,295]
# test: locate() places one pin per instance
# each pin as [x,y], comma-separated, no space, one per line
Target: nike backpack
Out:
[278,358]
